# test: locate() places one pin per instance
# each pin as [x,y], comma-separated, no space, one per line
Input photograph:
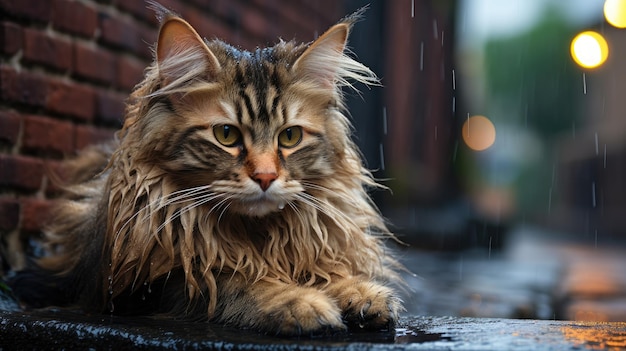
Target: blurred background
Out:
[500,131]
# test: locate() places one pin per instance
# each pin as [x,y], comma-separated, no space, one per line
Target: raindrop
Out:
[435,30]
[453,104]
[550,200]
[281,205]
[412,8]
[453,80]
[455,152]
[593,194]
[605,156]
[110,285]
[382,157]
[596,140]
[421,56]
[584,84]
[442,32]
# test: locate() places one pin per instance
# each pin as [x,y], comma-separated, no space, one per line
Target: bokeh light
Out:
[589,49]
[479,133]
[615,12]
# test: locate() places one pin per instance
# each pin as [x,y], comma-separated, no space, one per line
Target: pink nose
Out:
[265,179]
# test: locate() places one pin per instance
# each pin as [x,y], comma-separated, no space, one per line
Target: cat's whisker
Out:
[186,193]
[203,199]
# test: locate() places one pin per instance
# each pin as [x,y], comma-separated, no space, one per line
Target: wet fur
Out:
[161,228]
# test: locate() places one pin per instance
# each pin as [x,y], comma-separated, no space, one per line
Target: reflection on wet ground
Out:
[73,330]
[64,330]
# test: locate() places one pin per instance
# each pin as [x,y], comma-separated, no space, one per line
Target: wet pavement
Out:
[539,292]
[24,331]
[538,274]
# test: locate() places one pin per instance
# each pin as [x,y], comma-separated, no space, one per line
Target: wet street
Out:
[537,275]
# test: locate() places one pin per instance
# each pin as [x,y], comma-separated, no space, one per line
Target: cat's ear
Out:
[321,61]
[182,54]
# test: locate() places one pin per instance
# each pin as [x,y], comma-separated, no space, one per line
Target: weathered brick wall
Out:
[66,67]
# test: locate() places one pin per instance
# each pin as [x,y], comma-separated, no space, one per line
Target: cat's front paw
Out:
[306,311]
[368,305]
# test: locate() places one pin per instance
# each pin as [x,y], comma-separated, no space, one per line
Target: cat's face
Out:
[251,131]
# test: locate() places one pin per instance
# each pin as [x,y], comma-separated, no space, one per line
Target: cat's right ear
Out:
[182,54]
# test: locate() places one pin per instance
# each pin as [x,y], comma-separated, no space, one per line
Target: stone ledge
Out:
[62,330]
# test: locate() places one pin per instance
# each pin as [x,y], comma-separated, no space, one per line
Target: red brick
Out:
[138,9]
[88,135]
[53,170]
[110,108]
[10,38]
[147,38]
[129,72]
[29,9]
[9,213]
[24,87]
[71,99]
[35,213]
[48,135]
[209,27]
[75,17]
[94,63]
[21,172]
[43,49]
[121,33]
[10,123]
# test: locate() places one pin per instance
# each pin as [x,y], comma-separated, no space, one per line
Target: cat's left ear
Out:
[321,61]
[182,54]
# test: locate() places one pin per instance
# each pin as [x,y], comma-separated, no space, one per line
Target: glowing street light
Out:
[589,49]
[479,133]
[615,12]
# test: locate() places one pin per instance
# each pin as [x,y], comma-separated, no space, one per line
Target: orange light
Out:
[478,133]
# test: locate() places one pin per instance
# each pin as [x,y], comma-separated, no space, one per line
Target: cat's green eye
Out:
[290,137]
[227,135]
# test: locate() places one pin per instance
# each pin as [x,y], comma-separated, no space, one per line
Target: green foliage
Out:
[531,79]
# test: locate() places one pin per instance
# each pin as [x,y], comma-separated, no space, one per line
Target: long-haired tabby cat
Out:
[232,193]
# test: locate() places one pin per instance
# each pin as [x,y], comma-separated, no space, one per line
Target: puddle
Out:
[415,336]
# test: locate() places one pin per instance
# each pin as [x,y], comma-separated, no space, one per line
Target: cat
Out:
[232,193]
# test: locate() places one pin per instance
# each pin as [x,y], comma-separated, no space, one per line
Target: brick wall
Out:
[66,67]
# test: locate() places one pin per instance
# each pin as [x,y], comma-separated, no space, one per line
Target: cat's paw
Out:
[306,311]
[368,305]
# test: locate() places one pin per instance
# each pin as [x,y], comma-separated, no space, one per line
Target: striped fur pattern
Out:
[232,193]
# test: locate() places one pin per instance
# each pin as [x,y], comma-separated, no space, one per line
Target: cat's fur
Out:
[270,232]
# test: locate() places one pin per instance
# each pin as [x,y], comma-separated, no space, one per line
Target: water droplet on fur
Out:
[281,205]
[110,285]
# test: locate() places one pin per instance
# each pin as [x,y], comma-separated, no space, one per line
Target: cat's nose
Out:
[264,179]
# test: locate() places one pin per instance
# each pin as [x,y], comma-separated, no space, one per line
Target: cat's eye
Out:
[290,137]
[227,135]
